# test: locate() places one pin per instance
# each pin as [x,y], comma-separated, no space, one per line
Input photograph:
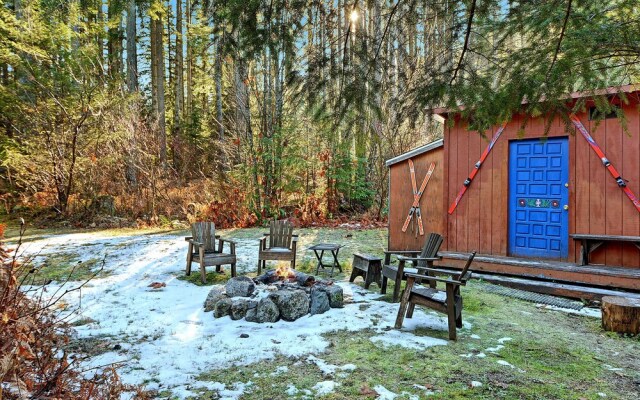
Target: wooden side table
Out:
[368,267]
[334,249]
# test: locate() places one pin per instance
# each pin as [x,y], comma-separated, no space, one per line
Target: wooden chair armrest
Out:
[439,271]
[226,240]
[419,258]
[433,278]
[186,239]
[401,251]
[196,244]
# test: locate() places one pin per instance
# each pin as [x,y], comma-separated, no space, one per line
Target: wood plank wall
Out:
[596,203]
[401,198]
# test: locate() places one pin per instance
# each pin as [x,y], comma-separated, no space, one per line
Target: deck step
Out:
[533,296]
[603,276]
[553,288]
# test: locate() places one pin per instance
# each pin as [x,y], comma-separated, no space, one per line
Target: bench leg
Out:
[396,288]
[404,303]
[383,288]
[412,307]
[233,270]
[368,277]
[189,259]
[354,274]
[451,312]
[203,274]
[259,267]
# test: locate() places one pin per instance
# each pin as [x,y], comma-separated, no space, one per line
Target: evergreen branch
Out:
[472,11]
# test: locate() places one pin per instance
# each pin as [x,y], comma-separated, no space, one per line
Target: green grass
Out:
[556,356]
[60,267]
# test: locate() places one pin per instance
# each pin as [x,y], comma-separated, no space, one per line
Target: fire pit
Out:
[277,294]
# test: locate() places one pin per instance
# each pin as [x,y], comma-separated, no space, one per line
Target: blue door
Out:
[538,194]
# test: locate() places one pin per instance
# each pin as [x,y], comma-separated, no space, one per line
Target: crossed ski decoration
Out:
[622,183]
[414,211]
[474,172]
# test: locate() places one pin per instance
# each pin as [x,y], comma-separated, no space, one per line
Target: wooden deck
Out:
[596,275]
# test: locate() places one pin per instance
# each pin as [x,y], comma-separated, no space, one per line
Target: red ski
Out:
[415,207]
[612,170]
[474,172]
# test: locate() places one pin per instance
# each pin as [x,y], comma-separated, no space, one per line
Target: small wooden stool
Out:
[368,267]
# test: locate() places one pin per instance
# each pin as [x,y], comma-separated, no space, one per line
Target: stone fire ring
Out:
[270,297]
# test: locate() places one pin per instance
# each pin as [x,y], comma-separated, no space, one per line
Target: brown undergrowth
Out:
[34,362]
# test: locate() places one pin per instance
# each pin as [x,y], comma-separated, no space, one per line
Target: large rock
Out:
[222,308]
[215,295]
[241,286]
[336,298]
[267,311]
[252,305]
[293,304]
[319,301]
[238,308]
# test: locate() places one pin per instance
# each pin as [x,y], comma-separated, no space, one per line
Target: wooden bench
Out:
[591,242]
[368,267]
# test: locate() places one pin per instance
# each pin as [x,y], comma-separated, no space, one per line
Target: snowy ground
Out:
[165,340]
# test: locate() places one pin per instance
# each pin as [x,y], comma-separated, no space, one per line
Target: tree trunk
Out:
[157,65]
[114,39]
[132,86]
[132,59]
[243,122]
[218,81]
[189,103]
[179,84]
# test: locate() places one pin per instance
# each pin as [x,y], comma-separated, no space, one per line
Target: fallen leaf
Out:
[157,285]
[365,390]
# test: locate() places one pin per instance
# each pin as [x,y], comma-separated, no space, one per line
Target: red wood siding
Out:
[596,204]
[401,198]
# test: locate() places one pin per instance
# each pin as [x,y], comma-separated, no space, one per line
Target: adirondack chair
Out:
[282,244]
[448,301]
[202,249]
[421,259]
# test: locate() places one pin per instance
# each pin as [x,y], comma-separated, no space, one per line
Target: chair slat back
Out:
[204,232]
[431,247]
[464,271]
[280,234]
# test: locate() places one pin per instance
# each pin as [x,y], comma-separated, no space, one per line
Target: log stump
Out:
[620,314]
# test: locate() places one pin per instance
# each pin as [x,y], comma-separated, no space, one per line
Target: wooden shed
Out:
[540,206]
[401,196]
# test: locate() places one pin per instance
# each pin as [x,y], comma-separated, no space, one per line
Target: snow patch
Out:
[283,369]
[495,349]
[407,340]
[505,363]
[325,387]
[384,393]
[170,340]
[292,390]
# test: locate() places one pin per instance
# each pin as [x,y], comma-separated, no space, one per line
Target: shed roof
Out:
[417,151]
[612,90]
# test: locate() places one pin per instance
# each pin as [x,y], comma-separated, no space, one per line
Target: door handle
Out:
[565,207]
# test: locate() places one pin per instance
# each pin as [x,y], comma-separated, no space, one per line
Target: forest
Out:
[146,111]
